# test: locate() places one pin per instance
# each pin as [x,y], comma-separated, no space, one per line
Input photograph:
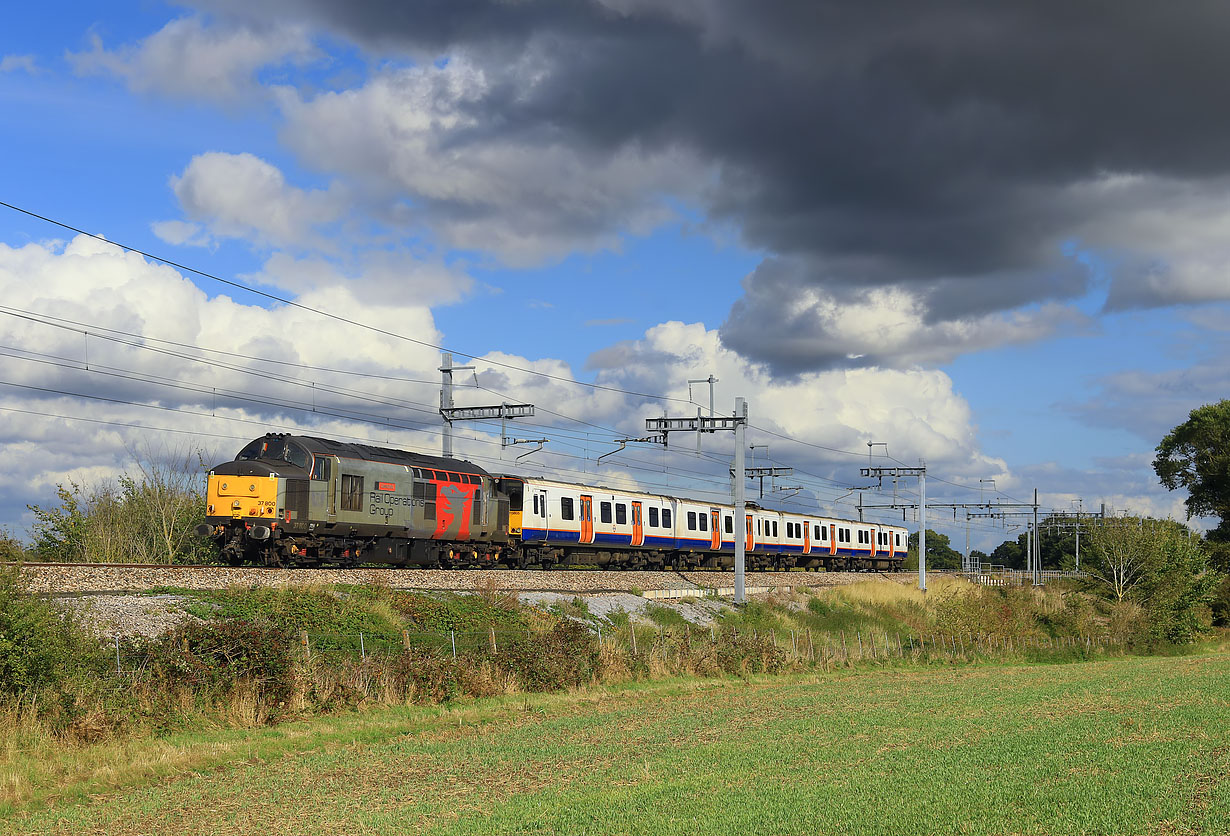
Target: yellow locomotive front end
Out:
[245,499]
[249,498]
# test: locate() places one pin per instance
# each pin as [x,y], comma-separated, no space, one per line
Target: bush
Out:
[564,657]
[40,647]
[210,660]
[425,676]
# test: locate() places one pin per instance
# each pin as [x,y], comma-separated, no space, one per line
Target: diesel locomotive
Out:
[293,500]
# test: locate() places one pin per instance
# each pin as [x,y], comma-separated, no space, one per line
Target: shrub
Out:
[425,676]
[40,647]
[211,660]
[564,657]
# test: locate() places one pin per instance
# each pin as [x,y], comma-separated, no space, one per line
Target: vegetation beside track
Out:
[246,664]
[1125,745]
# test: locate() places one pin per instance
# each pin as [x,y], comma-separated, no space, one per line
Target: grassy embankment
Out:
[85,731]
[1121,746]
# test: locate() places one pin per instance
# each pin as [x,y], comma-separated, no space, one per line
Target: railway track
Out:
[102,578]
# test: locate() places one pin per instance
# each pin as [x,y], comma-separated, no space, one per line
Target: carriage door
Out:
[806,538]
[892,550]
[638,528]
[715,519]
[751,541]
[540,504]
[587,519]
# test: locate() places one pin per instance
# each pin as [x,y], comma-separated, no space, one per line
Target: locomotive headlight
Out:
[235,504]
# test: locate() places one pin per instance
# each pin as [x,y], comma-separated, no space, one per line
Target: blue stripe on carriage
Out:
[694,544]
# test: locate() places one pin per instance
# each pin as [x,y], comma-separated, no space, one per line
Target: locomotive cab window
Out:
[653,517]
[352,493]
[321,467]
[604,512]
[565,507]
[621,514]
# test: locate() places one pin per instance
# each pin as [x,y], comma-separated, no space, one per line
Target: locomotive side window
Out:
[653,517]
[320,468]
[565,507]
[666,517]
[426,495]
[621,514]
[352,493]
[604,512]
[691,520]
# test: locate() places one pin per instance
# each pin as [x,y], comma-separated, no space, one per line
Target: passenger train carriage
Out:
[304,501]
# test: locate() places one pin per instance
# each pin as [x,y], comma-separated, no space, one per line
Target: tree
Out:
[1119,555]
[1196,456]
[1161,567]
[939,554]
[11,549]
[147,518]
[1011,554]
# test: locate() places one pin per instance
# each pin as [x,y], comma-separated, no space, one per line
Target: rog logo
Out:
[453,498]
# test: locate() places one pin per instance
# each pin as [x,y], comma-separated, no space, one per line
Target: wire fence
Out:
[824,649]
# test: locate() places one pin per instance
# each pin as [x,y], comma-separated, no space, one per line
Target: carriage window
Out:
[757,525]
[691,520]
[704,521]
[666,517]
[730,525]
[604,512]
[565,507]
[775,528]
[816,529]
[621,514]
[537,512]
[653,517]
[898,539]
[352,493]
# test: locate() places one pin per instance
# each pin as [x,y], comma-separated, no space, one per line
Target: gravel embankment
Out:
[53,580]
[108,616]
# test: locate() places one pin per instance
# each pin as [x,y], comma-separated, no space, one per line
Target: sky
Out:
[987,237]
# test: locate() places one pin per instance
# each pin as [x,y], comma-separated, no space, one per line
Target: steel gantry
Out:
[700,424]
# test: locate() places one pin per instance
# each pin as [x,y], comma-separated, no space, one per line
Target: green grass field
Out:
[1126,746]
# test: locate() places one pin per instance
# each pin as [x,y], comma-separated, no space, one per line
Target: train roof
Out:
[386,455]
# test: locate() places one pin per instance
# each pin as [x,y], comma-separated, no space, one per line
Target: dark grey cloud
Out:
[946,148]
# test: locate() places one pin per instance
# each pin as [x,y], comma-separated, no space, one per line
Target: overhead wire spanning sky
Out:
[987,235]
